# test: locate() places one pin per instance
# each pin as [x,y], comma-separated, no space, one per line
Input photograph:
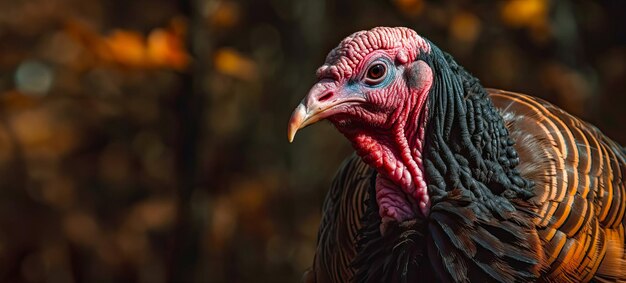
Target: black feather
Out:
[475,231]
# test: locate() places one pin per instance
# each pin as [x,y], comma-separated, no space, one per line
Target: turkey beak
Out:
[299,119]
[324,100]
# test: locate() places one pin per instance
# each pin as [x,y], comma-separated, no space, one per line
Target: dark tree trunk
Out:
[188,103]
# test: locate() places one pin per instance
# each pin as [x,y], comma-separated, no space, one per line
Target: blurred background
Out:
[145,141]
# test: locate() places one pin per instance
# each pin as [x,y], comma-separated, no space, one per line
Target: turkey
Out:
[454,182]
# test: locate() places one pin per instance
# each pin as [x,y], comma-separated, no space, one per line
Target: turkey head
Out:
[374,89]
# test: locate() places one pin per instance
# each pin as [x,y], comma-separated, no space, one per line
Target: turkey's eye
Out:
[375,74]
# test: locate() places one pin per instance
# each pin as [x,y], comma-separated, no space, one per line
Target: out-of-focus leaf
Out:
[59,191]
[162,48]
[223,222]
[525,13]
[465,27]
[42,135]
[166,49]
[230,62]
[166,46]
[81,228]
[126,48]
[410,7]
[223,14]
[153,214]
[16,101]
[571,87]
[132,245]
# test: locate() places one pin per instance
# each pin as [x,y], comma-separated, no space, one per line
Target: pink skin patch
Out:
[384,121]
[401,190]
[389,140]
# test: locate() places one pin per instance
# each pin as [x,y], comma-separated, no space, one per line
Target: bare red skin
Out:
[387,126]
[396,151]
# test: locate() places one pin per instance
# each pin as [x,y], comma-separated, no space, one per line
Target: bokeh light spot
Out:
[33,77]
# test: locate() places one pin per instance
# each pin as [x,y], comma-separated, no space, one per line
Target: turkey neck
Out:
[396,155]
[468,147]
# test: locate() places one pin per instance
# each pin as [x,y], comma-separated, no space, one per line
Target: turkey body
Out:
[577,210]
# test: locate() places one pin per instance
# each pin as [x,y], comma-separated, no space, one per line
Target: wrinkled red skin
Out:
[387,130]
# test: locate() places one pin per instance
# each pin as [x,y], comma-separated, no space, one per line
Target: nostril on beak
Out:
[326,96]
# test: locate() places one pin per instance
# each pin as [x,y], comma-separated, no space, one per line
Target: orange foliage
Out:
[232,63]
[465,27]
[125,47]
[224,14]
[525,13]
[162,48]
[410,7]
[529,14]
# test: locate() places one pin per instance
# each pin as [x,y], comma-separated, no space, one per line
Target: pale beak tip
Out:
[296,121]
